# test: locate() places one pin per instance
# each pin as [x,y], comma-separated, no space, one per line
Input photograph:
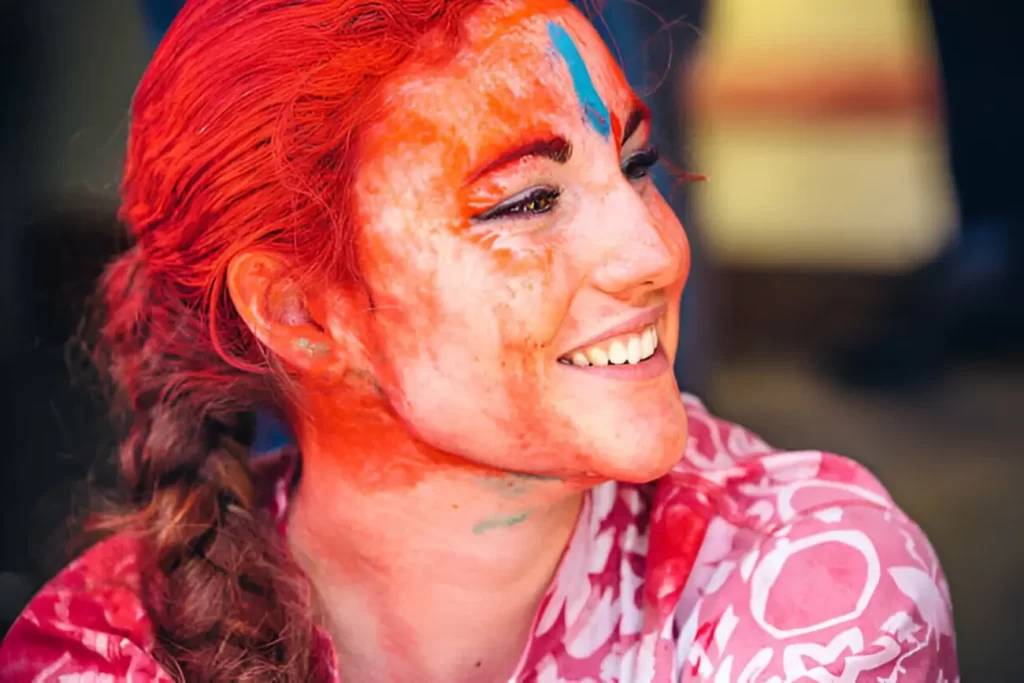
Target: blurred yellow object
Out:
[889,29]
[816,123]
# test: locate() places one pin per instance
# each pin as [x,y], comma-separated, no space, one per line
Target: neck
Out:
[426,568]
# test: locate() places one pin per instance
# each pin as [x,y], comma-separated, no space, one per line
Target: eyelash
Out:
[534,202]
[638,165]
[541,200]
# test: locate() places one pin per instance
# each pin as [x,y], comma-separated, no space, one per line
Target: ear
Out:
[293,323]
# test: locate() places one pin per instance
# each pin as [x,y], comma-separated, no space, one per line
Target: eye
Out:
[531,202]
[638,165]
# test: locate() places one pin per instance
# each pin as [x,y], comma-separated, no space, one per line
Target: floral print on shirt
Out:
[742,565]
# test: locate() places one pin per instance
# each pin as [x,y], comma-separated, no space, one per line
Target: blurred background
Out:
[858,270]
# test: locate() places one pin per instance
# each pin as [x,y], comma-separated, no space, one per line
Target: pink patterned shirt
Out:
[743,565]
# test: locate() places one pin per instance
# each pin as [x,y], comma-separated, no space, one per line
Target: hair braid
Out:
[227,602]
[245,134]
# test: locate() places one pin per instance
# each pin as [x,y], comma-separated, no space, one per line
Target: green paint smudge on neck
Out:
[536,477]
[500,523]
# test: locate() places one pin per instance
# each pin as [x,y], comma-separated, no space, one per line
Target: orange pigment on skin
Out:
[436,152]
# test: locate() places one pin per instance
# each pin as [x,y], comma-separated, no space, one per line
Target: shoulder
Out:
[808,570]
[88,623]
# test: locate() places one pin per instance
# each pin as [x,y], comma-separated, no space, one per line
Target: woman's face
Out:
[522,266]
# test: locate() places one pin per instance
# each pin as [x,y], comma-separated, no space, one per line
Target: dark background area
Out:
[68,70]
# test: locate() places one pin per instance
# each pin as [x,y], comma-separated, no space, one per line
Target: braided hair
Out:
[244,134]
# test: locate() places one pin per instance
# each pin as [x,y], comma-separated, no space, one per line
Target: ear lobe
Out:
[275,309]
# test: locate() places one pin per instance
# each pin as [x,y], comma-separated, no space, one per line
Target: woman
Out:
[425,235]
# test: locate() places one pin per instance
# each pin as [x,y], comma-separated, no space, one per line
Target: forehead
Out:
[526,66]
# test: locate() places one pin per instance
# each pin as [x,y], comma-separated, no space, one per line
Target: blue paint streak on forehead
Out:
[594,107]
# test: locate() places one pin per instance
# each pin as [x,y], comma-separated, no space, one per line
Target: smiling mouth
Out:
[625,349]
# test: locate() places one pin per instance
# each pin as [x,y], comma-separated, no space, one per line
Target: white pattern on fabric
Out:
[742,565]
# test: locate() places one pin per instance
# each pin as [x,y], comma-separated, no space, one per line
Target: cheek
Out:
[534,308]
[514,255]
[401,276]
[437,294]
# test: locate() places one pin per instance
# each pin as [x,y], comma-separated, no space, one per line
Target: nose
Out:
[644,246]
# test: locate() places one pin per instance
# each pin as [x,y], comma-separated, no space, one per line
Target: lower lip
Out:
[655,366]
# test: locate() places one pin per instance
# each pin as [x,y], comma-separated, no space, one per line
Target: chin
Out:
[641,456]
[623,431]
[640,468]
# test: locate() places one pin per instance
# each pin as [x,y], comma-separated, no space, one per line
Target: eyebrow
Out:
[639,114]
[555,148]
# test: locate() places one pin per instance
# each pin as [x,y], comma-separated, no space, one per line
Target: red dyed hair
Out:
[245,133]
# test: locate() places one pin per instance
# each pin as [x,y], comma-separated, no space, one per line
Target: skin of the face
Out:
[474,310]
[445,443]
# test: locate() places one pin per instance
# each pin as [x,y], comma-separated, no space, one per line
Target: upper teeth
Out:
[630,348]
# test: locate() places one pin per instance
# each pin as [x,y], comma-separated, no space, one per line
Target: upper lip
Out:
[634,324]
